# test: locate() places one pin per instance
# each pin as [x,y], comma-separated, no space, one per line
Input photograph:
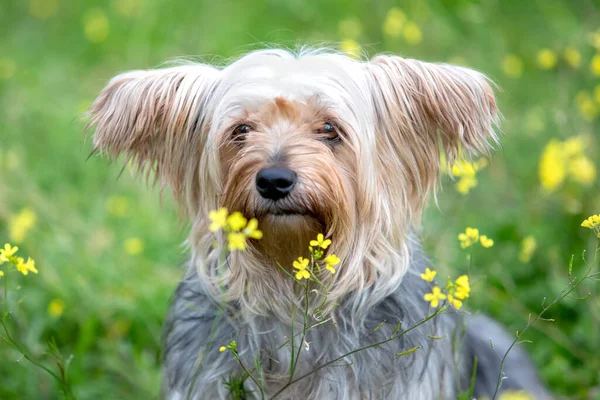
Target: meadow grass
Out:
[109,250]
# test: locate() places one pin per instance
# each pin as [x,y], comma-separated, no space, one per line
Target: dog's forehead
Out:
[259,79]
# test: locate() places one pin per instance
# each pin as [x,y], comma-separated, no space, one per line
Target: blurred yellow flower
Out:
[126,7]
[428,275]
[528,246]
[595,65]
[454,302]
[597,94]
[573,146]
[1,273]
[582,170]
[43,9]
[96,26]
[552,166]
[351,48]
[222,349]
[331,261]
[463,287]
[586,106]
[20,224]
[412,33]
[7,253]
[26,267]
[573,57]
[134,246]
[117,206]
[350,28]
[512,66]
[434,297]
[321,242]
[466,171]
[236,241]
[251,230]
[469,238]
[486,242]
[546,59]
[515,395]
[236,221]
[7,68]
[218,219]
[394,23]
[56,308]
[594,39]
[465,184]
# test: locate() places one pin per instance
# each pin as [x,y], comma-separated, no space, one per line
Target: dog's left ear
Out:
[419,105]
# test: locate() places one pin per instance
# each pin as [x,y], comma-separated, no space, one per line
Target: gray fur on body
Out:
[434,371]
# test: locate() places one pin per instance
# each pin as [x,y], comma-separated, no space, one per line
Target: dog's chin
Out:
[286,235]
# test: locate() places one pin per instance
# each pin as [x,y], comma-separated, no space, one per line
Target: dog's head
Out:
[308,143]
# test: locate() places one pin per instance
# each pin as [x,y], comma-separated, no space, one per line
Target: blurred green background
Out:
[109,251]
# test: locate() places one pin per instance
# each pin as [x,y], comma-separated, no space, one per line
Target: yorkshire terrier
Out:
[312,142]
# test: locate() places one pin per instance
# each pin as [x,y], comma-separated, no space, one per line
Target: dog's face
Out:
[306,144]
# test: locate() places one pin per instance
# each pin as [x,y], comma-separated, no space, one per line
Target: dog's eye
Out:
[239,133]
[329,132]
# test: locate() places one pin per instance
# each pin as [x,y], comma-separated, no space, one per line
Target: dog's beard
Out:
[287,236]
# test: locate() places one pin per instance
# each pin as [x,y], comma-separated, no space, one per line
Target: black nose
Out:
[275,183]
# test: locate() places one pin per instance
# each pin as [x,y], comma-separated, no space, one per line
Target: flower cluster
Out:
[232,346]
[565,159]
[397,24]
[472,237]
[454,292]
[238,228]
[593,223]
[466,172]
[304,266]
[8,255]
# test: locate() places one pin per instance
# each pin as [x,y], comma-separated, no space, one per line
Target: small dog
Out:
[311,142]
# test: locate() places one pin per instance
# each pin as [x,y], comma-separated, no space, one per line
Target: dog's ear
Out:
[420,105]
[155,118]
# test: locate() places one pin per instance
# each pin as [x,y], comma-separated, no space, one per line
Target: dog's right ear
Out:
[157,118]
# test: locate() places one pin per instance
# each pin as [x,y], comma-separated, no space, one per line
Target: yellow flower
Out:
[434,297]
[96,26]
[582,170]
[133,246]
[455,302]
[349,28]
[512,66]
[515,395]
[117,206]
[236,241]
[528,246]
[43,9]
[351,48]
[463,288]
[222,349]
[469,238]
[56,308]
[574,146]
[486,242]
[320,242]
[412,33]
[552,166]
[218,219]
[465,184]
[26,267]
[301,265]
[7,68]
[586,106]
[236,221]
[428,275]
[467,171]
[330,261]
[595,65]
[593,223]
[7,253]
[394,22]
[20,224]
[572,56]
[546,59]
[1,274]
[251,230]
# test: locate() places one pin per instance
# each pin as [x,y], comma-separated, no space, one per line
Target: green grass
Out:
[114,302]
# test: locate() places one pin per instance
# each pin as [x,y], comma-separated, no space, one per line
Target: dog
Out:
[311,142]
